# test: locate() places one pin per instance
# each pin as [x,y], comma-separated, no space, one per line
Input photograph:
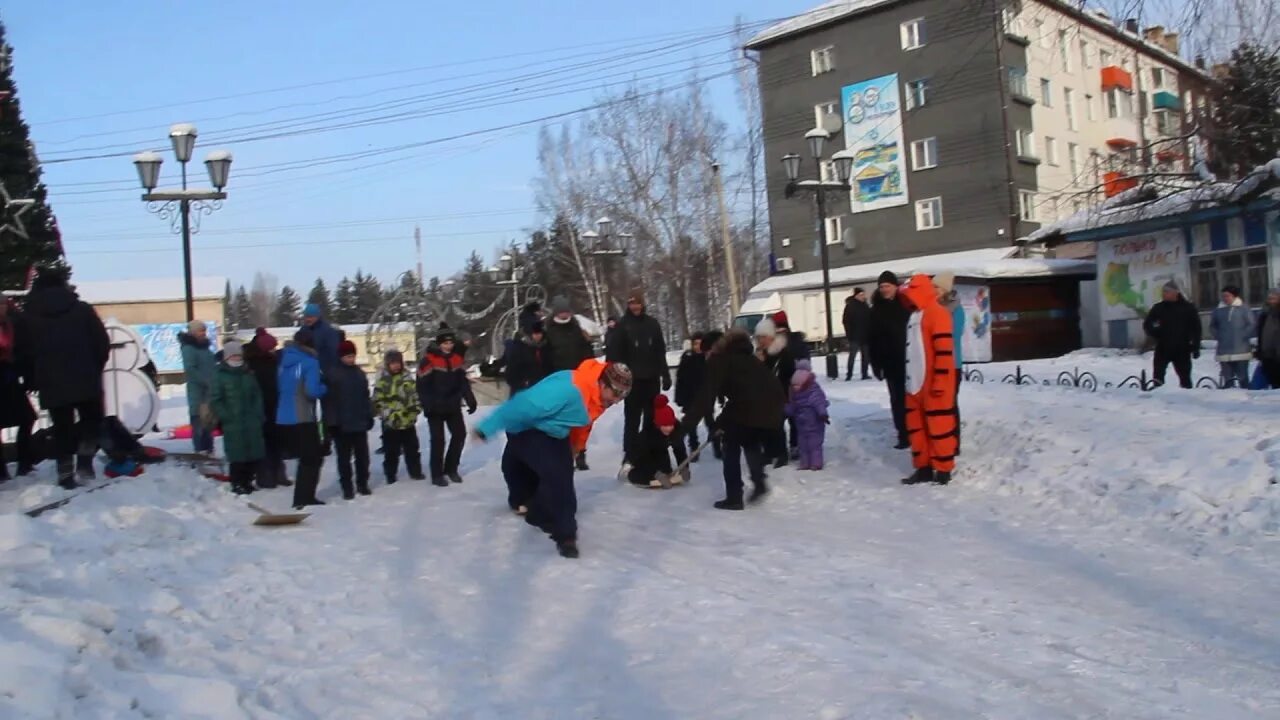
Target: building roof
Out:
[985,264]
[140,290]
[825,13]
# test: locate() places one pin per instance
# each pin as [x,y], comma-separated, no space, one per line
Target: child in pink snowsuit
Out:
[808,408]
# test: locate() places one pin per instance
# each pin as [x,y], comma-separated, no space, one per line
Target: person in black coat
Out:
[856,321]
[774,350]
[62,348]
[351,419]
[567,344]
[691,375]
[658,443]
[15,408]
[751,416]
[264,362]
[611,338]
[527,360]
[887,340]
[641,346]
[1174,324]
[443,387]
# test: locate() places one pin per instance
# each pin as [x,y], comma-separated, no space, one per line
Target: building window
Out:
[1068,104]
[1073,157]
[1018,81]
[823,60]
[929,214]
[786,242]
[827,116]
[1090,109]
[1085,60]
[1042,33]
[1064,50]
[1246,269]
[1051,151]
[835,230]
[1166,123]
[917,93]
[1026,141]
[1046,92]
[912,32]
[924,154]
[1104,58]
[1119,104]
[1157,78]
[827,171]
[1027,205]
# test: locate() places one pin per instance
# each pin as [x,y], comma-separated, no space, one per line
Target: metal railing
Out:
[1082,380]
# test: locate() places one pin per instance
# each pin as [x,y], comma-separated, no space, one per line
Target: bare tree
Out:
[262,298]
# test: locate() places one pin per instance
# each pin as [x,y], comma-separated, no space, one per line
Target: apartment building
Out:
[971,121]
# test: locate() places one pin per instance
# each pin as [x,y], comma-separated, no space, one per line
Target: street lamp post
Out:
[599,245]
[176,205]
[506,267]
[843,161]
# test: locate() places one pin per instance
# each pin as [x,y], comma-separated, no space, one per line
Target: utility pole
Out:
[1002,84]
[734,297]
[417,243]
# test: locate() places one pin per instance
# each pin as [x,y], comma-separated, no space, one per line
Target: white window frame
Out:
[820,113]
[1069,106]
[923,85]
[1051,150]
[1025,140]
[1090,107]
[1073,157]
[924,154]
[1027,205]
[1046,92]
[1042,34]
[929,213]
[835,229]
[1167,118]
[822,60]
[1123,104]
[1064,49]
[786,242]
[912,34]
[827,170]
[1157,78]
[1085,60]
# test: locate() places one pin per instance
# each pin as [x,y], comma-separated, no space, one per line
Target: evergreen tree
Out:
[368,297]
[288,308]
[344,302]
[242,309]
[1246,111]
[319,295]
[28,231]
[227,307]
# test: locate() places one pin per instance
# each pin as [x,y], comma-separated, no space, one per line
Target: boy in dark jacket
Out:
[236,401]
[395,400]
[691,375]
[443,387]
[527,359]
[657,442]
[751,416]
[1174,324]
[350,420]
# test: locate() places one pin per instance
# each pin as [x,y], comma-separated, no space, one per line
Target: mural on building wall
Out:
[873,133]
[976,301]
[161,342]
[1135,268]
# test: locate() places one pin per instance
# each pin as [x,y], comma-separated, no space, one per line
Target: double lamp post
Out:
[176,205]
[843,163]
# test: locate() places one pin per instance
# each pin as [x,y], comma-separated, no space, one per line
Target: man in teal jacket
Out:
[198,364]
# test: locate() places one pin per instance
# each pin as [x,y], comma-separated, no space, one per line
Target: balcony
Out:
[1165,100]
[1114,76]
[1114,183]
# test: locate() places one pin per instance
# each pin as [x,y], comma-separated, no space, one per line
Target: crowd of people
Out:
[1174,327]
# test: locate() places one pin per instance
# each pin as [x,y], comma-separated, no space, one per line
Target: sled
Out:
[268,518]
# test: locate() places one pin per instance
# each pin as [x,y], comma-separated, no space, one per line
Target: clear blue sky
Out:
[99,77]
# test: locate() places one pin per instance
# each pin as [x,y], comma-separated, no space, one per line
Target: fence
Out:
[1083,380]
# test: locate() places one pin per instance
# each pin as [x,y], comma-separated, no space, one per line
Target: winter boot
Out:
[923,475]
[391,479]
[942,478]
[363,488]
[454,477]
[758,493]
[67,474]
[348,495]
[781,462]
[568,549]
[903,444]
[84,467]
[241,488]
[581,462]
[729,504]
[440,481]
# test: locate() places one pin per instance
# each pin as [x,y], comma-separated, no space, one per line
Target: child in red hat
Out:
[657,442]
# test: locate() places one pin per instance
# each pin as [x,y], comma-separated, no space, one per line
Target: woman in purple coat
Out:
[807,408]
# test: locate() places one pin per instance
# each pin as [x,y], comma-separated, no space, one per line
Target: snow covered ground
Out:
[1109,554]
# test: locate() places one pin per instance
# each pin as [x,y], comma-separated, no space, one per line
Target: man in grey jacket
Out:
[1232,325]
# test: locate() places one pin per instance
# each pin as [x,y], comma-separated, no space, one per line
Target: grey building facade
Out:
[967,167]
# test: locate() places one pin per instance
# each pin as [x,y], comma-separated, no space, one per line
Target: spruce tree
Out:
[227,301]
[288,308]
[368,297]
[319,295]
[28,231]
[344,302]
[242,309]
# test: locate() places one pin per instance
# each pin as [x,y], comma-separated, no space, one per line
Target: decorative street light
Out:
[843,162]
[176,205]
[600,246]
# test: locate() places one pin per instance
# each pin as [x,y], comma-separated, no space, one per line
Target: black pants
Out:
[352,446]
[303,442]
[898,404]
[658,460]
[858,349]
[270,471]
[1271,369]
[711,433]
[242,474]
[638,413]
[539,473]
[441,463]
[400,442]
[1181,365]
[752,442]
[72,436]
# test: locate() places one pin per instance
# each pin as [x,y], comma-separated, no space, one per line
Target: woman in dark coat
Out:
[264,362]
[528,359]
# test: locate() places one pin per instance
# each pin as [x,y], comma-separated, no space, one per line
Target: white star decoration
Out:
[12,211]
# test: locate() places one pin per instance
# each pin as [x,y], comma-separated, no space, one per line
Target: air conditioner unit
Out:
[786,264]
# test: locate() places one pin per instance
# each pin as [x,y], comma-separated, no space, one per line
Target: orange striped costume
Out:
[931,379]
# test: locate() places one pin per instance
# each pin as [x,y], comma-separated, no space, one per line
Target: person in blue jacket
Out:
[301,384]
[944,283]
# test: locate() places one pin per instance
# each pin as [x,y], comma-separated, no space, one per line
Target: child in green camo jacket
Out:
[395,400]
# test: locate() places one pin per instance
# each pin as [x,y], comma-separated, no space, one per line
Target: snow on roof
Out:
[136,290]
[984,264]
[825,13]
[1145,202]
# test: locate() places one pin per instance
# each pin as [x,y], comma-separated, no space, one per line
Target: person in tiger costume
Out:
[931,384]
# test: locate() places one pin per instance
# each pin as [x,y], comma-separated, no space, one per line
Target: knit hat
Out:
[887,277]
[446,334]
[232,348]
[345,348]
[663,415]
[945,281]
[264,341]
[560,304]
[636,297]
[618,377]
[1172,286]
[306,337]
[195,326]
[800,378]
[766,328]
[393,356]
[804,364]
[780,320]
[857,291]
[311,310]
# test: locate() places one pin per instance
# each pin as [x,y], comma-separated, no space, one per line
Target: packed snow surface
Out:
[1100,555]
